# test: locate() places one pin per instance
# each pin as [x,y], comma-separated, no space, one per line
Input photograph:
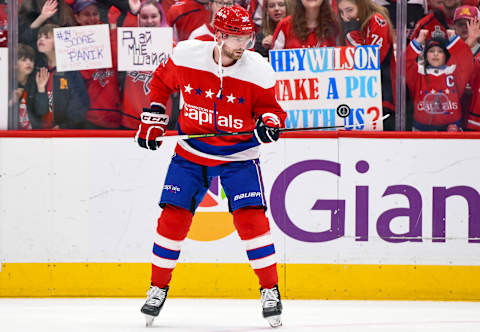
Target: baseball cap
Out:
[80,5]
[466,12]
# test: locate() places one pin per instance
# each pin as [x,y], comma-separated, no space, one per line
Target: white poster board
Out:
[4,90]
[329,86]
[143,49]
[82,47]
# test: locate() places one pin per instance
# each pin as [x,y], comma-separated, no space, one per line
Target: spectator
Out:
[102,84]
[312,24]
[438,84]
[58,99]
[186,16]
[35,13]
[256,10]
[205,32]
[467,27]
[439,20]
[473,113]
[129,17]
[466,23]
[275,11]
[137,83]
[416,10]
[3,24]
[365,23]
[25,66]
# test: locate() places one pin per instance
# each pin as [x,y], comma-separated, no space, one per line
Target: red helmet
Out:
[234,21]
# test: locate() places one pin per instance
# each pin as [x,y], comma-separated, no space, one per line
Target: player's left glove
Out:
[153,124]
[267,128]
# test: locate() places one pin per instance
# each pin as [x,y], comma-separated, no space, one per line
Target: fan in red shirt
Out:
[439,20]
[102,84]
[312,24]
[186,16]
[206,32]
[137,83]
[366,23]
[438,85]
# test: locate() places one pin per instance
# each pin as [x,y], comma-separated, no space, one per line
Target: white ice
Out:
[220,315]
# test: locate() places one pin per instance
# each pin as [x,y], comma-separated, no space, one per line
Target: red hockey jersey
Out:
[214,102]
[284,37]
[437,91]
[186,16]
[473,114]
[377,32]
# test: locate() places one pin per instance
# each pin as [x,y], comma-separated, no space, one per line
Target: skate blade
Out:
[149,320]
[274,321]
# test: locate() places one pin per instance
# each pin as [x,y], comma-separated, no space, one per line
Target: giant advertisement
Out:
[359,212]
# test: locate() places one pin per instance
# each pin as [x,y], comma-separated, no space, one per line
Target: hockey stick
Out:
[250,132]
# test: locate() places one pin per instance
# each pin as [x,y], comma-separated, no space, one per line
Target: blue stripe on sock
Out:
[261,252]
[164,252]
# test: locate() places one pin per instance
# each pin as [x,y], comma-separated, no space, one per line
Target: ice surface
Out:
[221,315]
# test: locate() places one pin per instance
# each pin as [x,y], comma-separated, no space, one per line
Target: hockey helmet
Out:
[233,21]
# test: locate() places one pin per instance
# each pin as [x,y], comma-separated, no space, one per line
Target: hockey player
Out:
[439,83]
[366,23]
[225,88]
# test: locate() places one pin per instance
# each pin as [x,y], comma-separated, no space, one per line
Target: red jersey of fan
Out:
[204,32]
[102,88]
[186,16]
[377,32]
[437,22]
[216,101]
[473,114]
[284,37]
[135,97]
[437,91]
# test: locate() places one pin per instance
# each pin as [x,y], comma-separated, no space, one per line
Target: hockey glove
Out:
[267,128]
[153,124]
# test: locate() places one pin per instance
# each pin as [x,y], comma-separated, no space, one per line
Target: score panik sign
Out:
[320,86]
[82,47]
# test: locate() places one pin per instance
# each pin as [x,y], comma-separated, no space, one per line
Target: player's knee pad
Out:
[174,222]
[250,222]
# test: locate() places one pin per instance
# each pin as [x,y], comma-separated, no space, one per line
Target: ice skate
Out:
[271,306]
[155,299]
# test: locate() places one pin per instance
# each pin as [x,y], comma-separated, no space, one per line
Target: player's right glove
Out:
[153,124]
[267,128]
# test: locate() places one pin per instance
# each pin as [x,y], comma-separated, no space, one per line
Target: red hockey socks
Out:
[173,226]
[253,228]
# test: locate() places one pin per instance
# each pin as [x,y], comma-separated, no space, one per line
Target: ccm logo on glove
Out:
[153,124]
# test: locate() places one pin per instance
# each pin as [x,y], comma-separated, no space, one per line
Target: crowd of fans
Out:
[443,55]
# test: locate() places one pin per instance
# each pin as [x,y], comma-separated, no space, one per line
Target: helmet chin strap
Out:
[220,71]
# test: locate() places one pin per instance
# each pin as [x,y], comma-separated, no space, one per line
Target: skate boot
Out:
[271,305]
[155,299]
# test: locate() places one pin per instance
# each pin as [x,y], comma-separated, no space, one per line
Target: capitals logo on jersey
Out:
[437,103]
[144,77]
